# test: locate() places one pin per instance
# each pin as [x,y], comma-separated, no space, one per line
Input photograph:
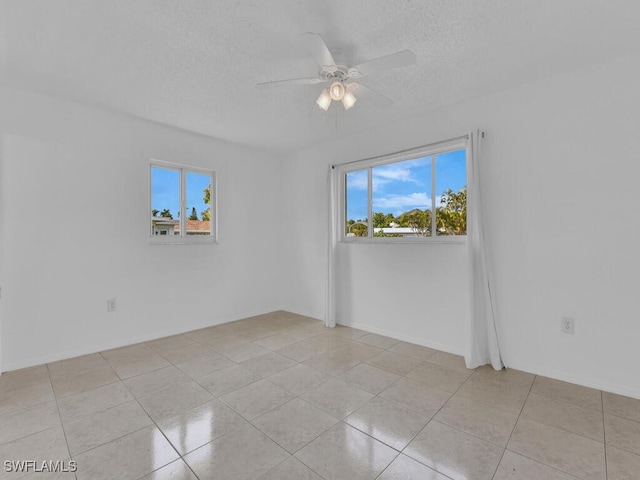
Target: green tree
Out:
[166,213]
[194,214]
[155,212]
[420,222]
[357,227]
[380,220]
[417,220]
[451,216]
[206,214]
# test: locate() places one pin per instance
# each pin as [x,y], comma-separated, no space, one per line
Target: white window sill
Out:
[197,240]
[454,239]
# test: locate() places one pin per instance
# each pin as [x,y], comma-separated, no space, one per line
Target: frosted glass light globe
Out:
[336,91]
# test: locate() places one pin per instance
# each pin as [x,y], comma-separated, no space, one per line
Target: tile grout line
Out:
[250,422]
[64,432]
[226,405]
[153,422]
[535,459]
[514,426]
[299,397]
[21,409]
[604,437]
[432,418]
[294,453]
[567,402]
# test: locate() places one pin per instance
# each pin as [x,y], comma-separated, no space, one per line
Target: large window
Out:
[417,195]
[182,204]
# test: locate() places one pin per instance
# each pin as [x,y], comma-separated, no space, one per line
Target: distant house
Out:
[164,226]
[170,226]
[196,227]
[399,231]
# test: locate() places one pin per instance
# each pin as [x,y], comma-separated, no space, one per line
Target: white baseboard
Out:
[304,313]
[598,384]
[551,373]
[123,342]
[424,342]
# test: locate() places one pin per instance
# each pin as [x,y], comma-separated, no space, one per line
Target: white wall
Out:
[76,204]
[416,293]
[560,169]
[1,237]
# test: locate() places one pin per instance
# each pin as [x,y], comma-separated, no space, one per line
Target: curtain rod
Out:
[435,144]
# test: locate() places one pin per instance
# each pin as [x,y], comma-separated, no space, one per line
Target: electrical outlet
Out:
[567,325]
[111,305]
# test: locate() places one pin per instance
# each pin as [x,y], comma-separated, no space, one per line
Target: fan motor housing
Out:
[338,72]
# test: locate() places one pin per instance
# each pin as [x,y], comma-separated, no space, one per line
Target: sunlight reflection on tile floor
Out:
[279,396]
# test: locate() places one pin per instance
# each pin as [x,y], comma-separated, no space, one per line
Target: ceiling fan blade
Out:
[318,49]
[404,58]
[291,81]
[370,95]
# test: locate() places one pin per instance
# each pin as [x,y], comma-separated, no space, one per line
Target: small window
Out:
[413,195]
[182,204]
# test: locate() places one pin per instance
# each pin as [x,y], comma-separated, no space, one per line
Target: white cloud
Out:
[393,173]
[398,204]
[396,172]
[400,172]
[357,180]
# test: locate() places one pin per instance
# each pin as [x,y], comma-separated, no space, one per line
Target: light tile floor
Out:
[279,396]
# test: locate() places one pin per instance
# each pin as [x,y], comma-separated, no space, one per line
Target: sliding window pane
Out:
[356,203]
[198,203]
[165,201]
[451,188]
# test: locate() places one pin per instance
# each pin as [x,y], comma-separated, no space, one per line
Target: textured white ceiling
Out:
[194,64]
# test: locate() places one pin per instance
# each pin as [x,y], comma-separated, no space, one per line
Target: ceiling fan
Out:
[342,79]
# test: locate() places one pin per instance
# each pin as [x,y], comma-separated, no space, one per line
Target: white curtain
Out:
[330,310]
[483,346]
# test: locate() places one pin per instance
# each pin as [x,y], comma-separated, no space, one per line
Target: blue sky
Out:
[165,192]
[403,186]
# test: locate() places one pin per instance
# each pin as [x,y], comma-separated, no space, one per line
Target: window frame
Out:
[368,164]
[183,238]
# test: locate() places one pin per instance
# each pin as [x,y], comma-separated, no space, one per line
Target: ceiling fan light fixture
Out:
[340,76]
[337,90]
[324,100]
[349,100]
